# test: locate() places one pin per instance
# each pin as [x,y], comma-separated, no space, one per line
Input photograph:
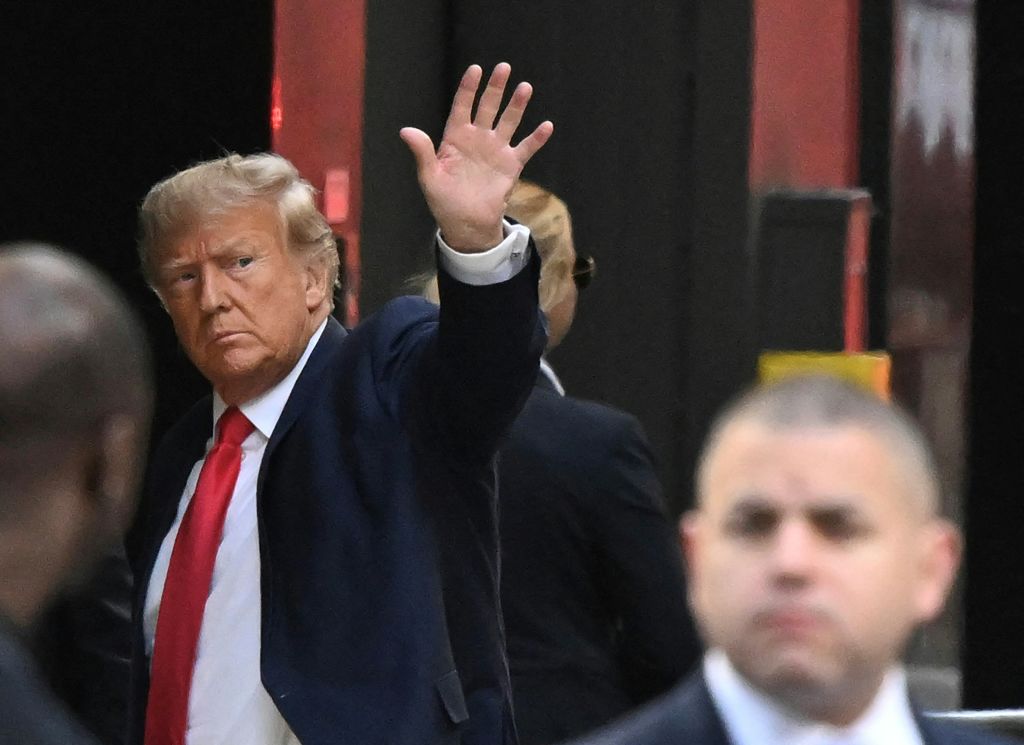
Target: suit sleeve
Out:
[475,366]
[641,561]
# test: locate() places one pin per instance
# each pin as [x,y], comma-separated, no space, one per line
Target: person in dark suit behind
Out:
[317,558]
[83,645]
[592,581]
[75,399]
[814,551]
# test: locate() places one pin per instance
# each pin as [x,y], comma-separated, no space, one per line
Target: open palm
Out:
[468,180]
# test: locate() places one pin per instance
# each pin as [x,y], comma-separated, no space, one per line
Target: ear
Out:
[690,535]
[317,290]
[941,548]
[116,470]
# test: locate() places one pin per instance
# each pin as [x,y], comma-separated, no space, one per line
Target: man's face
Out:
[243,306]
[811,561]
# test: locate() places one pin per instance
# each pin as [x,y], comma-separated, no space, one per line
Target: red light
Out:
[276,109]
[336,195]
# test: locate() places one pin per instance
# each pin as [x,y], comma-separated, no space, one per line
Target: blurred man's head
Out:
[75,402]
[245,265]
[816,546]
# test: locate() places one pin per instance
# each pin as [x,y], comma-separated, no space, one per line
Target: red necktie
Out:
[188,583]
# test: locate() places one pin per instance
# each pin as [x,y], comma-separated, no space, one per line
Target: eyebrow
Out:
[171,265]
[752,501]
[229,245]
[755,501]
[219,250]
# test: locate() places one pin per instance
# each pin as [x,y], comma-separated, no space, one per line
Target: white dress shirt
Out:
[549,373]
[228,704]
[751,718]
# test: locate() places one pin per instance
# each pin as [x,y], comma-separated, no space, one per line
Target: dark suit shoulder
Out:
[179,447]
[29,713]
[683,715]
[585,422]
[182,434]
[585,433]
[397,314]
[597,453]
[942,732]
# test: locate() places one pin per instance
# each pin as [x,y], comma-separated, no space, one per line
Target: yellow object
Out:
[869,370]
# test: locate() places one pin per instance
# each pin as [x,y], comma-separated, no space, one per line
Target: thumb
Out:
[421,146]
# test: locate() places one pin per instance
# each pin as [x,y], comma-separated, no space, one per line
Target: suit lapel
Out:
[306,388]
[166,482]
[705,726]
[931,732]
[544,383]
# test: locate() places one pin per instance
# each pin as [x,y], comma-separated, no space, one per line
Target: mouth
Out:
[790,621]
[226,337]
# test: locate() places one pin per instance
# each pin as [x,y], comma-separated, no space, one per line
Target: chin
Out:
[790,668]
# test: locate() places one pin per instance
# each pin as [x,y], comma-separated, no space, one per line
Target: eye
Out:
[244,261]
[839,525]
[752,522]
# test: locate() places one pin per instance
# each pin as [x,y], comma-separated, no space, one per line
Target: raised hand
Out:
[467,182]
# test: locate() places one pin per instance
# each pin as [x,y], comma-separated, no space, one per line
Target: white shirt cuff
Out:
[497,264]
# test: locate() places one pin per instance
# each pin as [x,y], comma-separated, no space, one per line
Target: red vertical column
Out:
[806,91]
[804,131]
[317,114]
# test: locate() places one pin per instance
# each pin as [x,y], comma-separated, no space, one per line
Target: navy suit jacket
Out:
[377,522]
[687,716]
[592,580]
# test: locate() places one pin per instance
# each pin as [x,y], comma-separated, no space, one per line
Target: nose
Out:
[794,552]
[213,290]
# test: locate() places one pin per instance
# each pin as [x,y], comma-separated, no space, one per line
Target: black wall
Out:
[994,587]
[100,100]
[876,65]
[408,76]
[617,79]
[720,331]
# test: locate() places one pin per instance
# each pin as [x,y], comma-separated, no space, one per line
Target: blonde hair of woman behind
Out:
[549,222]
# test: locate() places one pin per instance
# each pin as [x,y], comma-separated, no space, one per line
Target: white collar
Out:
[549,373]
[751,718]
[264,410]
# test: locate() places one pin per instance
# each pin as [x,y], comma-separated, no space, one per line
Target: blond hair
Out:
[219,186]
[549,222]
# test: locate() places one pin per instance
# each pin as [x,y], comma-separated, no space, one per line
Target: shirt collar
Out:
[549,373]
[751,718]
[264,410]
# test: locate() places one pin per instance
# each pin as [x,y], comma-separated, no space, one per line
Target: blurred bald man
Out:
[75,402]
[815,550]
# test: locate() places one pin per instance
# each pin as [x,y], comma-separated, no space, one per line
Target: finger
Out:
[530,145]
[421,146]
[462,104]
[513,113]
[487,109]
